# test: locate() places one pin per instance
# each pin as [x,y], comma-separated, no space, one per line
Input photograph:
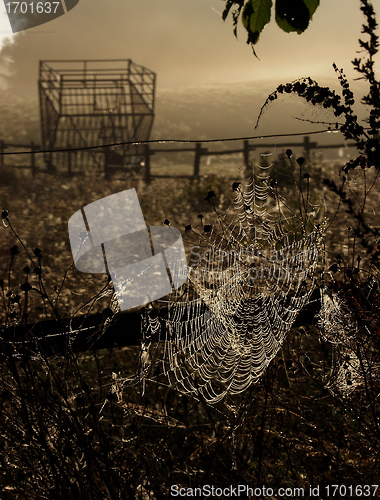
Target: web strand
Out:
[222,330]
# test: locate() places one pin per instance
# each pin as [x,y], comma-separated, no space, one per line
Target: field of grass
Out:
[106,424]
[68,427]
[39,210]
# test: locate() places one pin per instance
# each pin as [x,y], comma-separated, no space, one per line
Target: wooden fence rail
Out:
[199,152]
[81,333]
[33,148]
[84,333]
[114,161]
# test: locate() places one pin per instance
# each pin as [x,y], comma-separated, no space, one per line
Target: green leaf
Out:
[294,15]
[256,14]
[312,5]
[235,13]
[227,9]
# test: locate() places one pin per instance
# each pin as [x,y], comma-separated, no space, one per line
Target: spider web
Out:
[219,332]
[354,361]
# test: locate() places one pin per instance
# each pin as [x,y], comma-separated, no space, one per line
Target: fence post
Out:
[106,170]
[306,146]
[2,147]
[69,161]
[247,166]
[197,160]
[147,163]
[32,159]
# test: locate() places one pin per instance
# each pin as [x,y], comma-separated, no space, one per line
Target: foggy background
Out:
[209,84]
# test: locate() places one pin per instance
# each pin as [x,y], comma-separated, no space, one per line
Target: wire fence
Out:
[113,161]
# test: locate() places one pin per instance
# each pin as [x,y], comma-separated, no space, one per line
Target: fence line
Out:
[34,148]
[200,151]
[113,161]
[88,332]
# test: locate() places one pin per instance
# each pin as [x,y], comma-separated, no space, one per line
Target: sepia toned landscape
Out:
[257,377]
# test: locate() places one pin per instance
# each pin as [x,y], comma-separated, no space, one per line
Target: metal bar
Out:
[97,99]
[147,164]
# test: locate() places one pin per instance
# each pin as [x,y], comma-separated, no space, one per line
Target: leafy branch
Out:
[291,16]
[342,106]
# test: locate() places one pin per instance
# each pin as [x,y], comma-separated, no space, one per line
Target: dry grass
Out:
[68,430]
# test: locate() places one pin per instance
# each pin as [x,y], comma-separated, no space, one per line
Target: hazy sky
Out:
[187,43]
